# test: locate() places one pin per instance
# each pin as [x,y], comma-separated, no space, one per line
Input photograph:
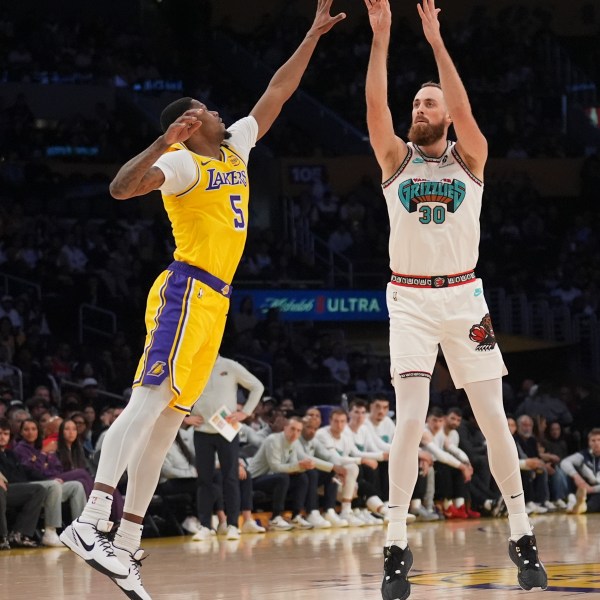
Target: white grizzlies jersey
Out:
[434,206]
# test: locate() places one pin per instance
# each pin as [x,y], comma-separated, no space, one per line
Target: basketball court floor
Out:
[453,560]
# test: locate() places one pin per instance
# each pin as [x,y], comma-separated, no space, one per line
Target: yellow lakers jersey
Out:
[210,218]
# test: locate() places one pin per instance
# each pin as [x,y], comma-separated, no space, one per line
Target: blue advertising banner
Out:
[316,305]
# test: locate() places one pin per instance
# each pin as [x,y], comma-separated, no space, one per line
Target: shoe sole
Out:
[71,545]
[129,593]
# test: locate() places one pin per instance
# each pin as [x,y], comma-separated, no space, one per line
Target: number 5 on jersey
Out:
[239,221]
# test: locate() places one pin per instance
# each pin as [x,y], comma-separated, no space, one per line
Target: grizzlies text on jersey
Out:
[434,206]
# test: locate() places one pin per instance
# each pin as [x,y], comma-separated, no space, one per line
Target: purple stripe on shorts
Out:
[157,366]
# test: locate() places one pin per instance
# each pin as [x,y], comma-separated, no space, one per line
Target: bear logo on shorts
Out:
[483,334]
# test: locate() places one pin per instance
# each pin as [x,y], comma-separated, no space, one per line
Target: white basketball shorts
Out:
[457,318]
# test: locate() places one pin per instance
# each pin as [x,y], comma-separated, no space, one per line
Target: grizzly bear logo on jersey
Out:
[483,334]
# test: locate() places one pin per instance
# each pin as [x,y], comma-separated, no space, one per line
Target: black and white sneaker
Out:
[397,563]
[92,543]
[132,584]
[531,570]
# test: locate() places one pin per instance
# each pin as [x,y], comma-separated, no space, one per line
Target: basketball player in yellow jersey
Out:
[200,167]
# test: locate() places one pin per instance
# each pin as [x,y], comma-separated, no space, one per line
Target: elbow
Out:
[116,192]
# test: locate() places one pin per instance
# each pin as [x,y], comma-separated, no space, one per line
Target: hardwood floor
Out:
[455,559]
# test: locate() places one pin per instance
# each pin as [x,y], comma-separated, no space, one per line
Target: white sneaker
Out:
[410,518]
[571,502]
[560,504]
[252,527]
[533,508]
[335,519]
[222,529]
[299,522]
[366,517]
[279,524]
[317,521]
[132,584]
[50,538]
[550,506]
[423,514]
[352,520]
[91,543]
[232,533]
[203,535]
[191,524]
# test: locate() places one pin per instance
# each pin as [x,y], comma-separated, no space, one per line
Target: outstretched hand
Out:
[380,15]
[429,19]
[184,127]
[324,21]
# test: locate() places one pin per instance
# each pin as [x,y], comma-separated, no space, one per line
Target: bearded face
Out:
[425,134]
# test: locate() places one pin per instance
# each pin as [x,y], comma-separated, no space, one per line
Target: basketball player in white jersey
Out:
[433,189]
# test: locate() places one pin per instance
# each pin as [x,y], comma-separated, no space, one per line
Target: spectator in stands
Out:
[484,494]
[335,439]
[338,365]
[534,472]
[178,475]
[7,309]
[332,475]
[16,414]
[56,492]
[281,468]
[18,494]
[584,470]
[453,471]
[540,401]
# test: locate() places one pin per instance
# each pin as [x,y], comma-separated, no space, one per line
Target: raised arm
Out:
[287,78]
[137,176]
[472,145]
[389,149]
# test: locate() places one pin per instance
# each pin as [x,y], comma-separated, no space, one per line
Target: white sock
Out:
[458,502]
[129,536]
[396,531]
[519,526]
[346,507]
[315,513]
[488,504]
[97,508]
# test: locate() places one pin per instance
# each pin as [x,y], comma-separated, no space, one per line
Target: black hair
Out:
[455,411]
[70,458]
[173,111]
[435,411]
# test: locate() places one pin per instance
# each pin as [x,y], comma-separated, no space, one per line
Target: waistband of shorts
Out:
[205,277]
[432,281]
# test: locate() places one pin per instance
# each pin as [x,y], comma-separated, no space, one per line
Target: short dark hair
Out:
[338,411]
[4,424]
[173,111]
[431,84]
[435,411]
[454,410]
[594,432]
[360,402]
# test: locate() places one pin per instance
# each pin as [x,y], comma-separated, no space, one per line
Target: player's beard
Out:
[425,134]
[226,134]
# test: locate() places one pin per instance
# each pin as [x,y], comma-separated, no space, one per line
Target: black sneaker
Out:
[531,570]
[18,540]
[4,545]
[396,565]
